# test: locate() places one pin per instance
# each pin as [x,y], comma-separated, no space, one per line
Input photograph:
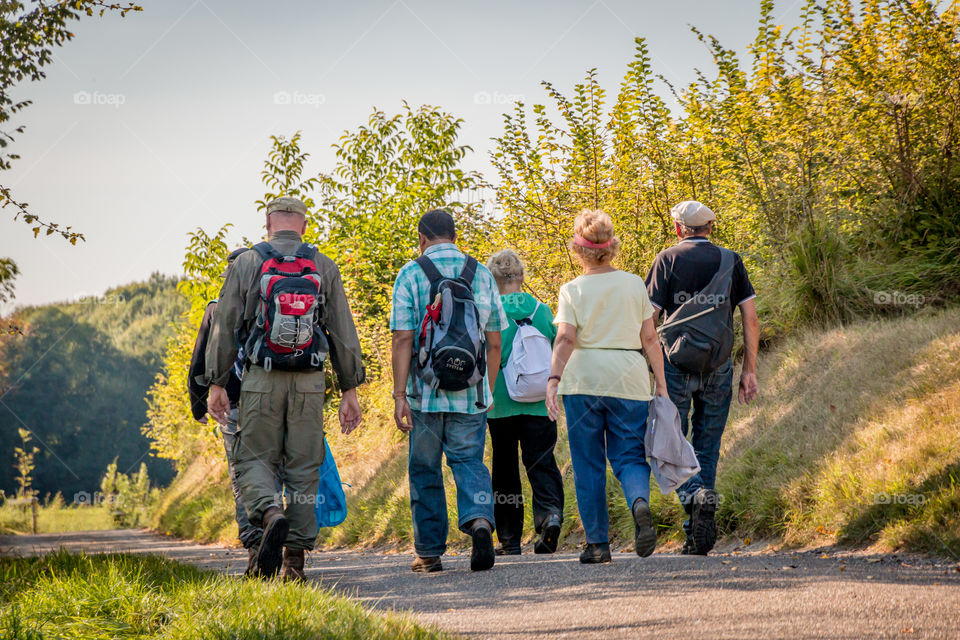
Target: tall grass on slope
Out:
[121,596]
[855,439]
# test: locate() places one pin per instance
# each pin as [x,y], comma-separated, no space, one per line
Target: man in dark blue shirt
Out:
[679,274]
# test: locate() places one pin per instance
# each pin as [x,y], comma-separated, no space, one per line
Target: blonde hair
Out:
[596,226]
[506,266]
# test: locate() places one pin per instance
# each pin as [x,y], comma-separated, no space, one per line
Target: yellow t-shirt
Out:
[607,310]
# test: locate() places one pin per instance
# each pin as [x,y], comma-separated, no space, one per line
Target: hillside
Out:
[77,378]
[855,440]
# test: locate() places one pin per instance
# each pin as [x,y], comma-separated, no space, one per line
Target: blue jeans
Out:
[709,394]
[461,437]
[601,428]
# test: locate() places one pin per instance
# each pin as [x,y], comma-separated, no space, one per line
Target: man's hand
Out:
[218,404]
[401,414]
[349,414]
[749,387]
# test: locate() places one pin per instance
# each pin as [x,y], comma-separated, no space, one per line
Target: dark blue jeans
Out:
[709,395]
[601,428]
[461,437]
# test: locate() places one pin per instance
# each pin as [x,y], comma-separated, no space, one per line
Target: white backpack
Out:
[528,366]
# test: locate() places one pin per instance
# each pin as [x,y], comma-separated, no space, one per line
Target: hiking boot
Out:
[549,535]
[482,557]
[687,549]
[251,561]
[595,553]
[508,551]
[702,522]
[293,563]
[426,565]
[644,533]
[270,552]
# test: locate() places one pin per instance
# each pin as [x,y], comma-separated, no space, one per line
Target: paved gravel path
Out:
[814,594]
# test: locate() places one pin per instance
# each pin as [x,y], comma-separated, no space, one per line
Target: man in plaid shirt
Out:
[439,421]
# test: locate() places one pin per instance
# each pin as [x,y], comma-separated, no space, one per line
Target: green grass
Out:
[62,595]
[846,416]
[54,517]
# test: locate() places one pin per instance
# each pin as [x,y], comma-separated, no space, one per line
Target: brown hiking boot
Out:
[251,562]
[426,565]
[293,562]
[270,552]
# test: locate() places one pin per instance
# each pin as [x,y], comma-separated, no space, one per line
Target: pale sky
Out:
[151,126]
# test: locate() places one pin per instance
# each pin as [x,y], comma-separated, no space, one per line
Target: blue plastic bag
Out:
[330,507]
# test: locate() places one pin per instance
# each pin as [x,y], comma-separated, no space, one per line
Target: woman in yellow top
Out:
[603,319]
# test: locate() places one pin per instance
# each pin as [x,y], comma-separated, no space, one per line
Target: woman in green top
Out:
[525,424]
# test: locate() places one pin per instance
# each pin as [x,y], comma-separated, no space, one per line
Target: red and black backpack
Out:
[287,334]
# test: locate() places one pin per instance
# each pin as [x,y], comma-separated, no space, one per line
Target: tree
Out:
[29,37]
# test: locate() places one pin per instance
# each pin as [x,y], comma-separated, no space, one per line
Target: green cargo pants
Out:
[281,429]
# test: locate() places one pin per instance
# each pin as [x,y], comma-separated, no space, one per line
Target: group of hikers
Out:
[473,350]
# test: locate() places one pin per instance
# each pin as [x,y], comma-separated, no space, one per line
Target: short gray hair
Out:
[506,266]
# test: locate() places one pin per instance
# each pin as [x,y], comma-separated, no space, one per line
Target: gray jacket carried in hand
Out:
[670,455]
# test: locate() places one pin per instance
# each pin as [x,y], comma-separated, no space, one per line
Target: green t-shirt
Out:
[519,306]
[607,310]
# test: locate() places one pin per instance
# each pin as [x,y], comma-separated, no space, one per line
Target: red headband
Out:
[583,242]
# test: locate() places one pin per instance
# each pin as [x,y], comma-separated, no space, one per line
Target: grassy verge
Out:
[121,596]
[855,440]
[55,517]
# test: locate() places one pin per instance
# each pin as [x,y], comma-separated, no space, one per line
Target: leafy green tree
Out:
[829,152]
[77,378]
[31,31]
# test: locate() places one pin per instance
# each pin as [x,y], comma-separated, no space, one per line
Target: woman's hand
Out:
[661,390]
[553,406]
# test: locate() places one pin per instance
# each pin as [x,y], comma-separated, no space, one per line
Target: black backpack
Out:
[452,353]
[698,336]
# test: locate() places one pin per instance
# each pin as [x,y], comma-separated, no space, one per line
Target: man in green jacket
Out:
[525,424]
[281,411]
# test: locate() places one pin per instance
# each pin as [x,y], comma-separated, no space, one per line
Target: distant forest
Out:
[77,378]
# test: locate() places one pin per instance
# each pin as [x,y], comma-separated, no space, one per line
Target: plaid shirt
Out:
[411,293]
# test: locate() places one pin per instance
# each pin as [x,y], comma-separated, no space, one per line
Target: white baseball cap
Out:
[691,213]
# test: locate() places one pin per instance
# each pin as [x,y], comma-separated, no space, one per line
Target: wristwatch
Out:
[399,394]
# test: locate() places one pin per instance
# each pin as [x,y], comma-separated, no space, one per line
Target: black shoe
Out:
[549,535]
[426,565]
[483,556]
[702,522]
[687,549]
[595,553]
[644,533]
[270,553]
[508,551]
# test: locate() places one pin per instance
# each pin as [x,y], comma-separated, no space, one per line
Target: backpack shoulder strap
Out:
[307,251]
[433,274]
[469,270]
[266,251]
